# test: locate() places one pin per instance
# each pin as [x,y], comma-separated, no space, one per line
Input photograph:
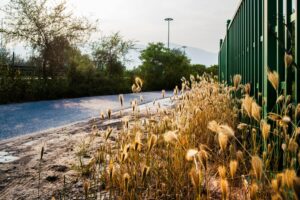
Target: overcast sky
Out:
[197,23]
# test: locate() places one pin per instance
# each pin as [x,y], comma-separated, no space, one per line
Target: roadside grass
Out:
[213,144]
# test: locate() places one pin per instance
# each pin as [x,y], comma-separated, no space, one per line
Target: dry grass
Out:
[199,149]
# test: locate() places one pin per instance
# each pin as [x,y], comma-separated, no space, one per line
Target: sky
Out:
[197,23]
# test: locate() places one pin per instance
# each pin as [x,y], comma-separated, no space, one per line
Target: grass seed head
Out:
[42,153]
[257,166]
[222,171]
[224,188]
[239,155]
[265,129]
[109,113]
[111,170]
[121,99]
[124,156]
[242,126]
[139,82]
[227,130]
[191,153]
[237,80]
[288,177]
[253,190]
[223,141]
[273,77]
[280,99]
[163,93]
[108,132]
[126,148]
[137,145]
[145,172]
[247,105]
[275,186]
[152,142]
[102,115]
[233,165]
[171,136]
[126,122]
[141,98]
[126,179]
[203,157]
[134,88]
[247,88]
[288,59]
[176,91]
[293,146]
[255,111]
[286,119]
[213,126]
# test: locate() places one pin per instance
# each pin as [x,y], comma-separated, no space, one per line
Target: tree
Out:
[43,26]
[214,69]
[163,68]
[198,69]
[110,54]
[4,57]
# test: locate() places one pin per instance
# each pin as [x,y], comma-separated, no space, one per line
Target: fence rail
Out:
[257,38]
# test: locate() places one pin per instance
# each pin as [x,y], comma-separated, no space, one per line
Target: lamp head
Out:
[169,19]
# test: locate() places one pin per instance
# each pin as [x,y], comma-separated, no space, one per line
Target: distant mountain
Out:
[197,55]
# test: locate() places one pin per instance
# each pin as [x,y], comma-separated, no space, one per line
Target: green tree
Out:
[43,26]
[4,57]
[110,54]
[163,68]
[198,69]
[214,69]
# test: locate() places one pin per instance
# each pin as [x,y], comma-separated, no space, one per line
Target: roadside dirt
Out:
[19,179]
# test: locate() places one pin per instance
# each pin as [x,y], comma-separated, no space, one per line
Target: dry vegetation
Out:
[213,144]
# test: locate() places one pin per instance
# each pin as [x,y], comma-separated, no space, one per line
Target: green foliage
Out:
[58,69]
[79,78]
[4,56]
[75,74]
[110,54]
[47,27]
[198,69]
[213,70]
[163,68]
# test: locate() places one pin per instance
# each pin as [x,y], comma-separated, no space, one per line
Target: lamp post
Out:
[168,20]
[184,47]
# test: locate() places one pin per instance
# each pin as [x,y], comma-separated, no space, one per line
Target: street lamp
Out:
[168,20]
[184,47]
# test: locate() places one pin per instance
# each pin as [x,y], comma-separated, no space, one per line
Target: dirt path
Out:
[19,179]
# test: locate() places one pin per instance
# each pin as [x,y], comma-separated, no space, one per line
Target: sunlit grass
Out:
[213,144]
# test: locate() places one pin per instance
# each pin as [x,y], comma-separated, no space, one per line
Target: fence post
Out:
[227,51]
[220,62]
[297,52]
[280,43]
[269,93]
[254,47]
[288,72]
[260,73]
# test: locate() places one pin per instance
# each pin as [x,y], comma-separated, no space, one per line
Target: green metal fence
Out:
[257,38]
